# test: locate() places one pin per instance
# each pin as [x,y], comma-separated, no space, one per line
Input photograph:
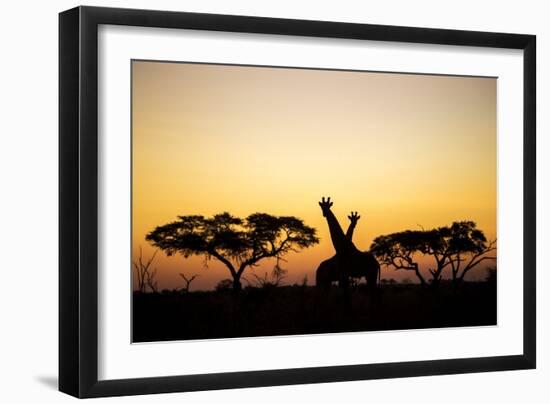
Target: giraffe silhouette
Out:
[349,260]
[327,272]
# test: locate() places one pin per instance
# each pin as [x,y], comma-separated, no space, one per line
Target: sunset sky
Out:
[403,150]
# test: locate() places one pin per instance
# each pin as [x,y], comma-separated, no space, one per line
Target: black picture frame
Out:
[78,201]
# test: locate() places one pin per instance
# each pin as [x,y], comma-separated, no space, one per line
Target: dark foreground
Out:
[292,310]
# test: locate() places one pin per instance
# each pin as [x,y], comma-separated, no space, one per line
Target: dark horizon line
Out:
[298,284]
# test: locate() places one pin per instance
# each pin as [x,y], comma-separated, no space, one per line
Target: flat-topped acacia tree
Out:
[399,249]
[235,242]
[460,246]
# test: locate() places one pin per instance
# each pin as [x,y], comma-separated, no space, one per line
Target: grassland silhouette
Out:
[339,301]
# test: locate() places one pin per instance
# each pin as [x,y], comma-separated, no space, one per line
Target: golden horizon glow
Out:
[403,150]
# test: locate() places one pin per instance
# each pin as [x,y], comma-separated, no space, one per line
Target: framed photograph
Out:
[250,201]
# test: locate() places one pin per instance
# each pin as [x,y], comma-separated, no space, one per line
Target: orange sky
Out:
[404,150]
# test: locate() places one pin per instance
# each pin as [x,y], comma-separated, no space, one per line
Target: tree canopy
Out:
[237,243]
[398,249]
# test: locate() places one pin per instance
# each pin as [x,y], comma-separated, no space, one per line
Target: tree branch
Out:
[473,264]
[224,260]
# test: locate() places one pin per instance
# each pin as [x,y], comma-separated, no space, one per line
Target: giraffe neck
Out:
[349,233]
[339,241]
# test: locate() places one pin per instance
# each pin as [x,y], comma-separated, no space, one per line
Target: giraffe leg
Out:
[343,272]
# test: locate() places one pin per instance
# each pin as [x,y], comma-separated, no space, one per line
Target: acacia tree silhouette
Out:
[398,250]
[237,243]
[462,242]
[467,245]
[461,246]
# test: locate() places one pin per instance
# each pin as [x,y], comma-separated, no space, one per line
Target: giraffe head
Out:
[325,205]
[354,217]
